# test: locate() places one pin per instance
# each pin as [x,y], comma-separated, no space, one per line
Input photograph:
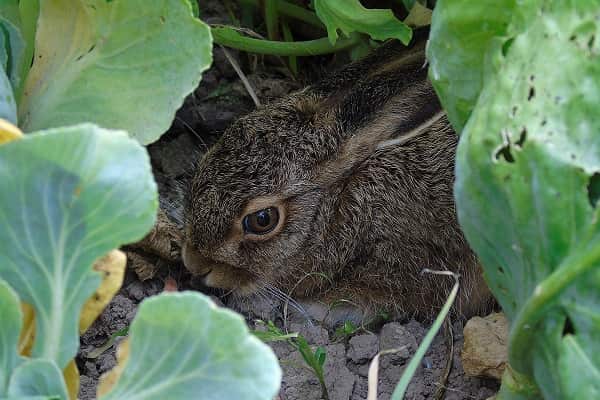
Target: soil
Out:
[220,99]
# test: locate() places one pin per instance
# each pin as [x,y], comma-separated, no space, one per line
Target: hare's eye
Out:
[261,222]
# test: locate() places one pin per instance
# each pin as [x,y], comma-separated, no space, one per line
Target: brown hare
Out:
[342,190]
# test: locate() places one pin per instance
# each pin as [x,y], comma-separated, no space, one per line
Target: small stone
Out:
[339,379]
[87,388]
[176,156]
[361,389]
[314,334]
[363,370]
[136,290]
[363,348]
[396,336]
[485,350]
[106,362]
[315,310]
[91,370]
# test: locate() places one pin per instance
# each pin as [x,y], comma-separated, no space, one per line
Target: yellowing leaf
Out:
[112,267]
[212,353]
[108,380]
[71,374]
[107,63]
[419,16]
[27,331]
[89,211]
[8,131]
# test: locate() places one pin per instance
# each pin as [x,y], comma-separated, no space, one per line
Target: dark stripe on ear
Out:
[391,52]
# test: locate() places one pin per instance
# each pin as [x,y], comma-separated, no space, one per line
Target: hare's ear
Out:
[390,105]
[387,89]
[388,57]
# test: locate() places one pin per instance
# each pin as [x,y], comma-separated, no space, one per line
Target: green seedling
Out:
[314,359]
[346,330]
[272,333]
[109,343]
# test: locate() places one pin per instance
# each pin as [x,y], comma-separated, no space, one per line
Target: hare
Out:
[342,190]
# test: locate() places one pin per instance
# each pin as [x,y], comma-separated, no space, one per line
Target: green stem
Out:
[524,332]
[271,19]
[287,36]
[516,386]
[229,37]
[291,10]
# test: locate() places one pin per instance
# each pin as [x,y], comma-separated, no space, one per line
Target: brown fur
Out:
[361,220]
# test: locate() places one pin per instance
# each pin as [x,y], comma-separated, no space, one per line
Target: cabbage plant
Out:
[71,191]
[521,80]
[120,64]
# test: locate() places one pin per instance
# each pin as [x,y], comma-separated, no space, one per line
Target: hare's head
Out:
[252,200]
[262,207]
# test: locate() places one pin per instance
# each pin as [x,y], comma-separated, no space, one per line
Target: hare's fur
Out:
[365,210]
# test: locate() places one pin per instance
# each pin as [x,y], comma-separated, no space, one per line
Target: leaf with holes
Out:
[68,195]
[527,185]
[120,64]
[351,16]
[461,33]
[209,356]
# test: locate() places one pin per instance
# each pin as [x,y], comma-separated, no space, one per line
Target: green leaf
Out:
[574,354]
[177,357]
[524,165]
[351,16]
[121,64]
[320,355]
[108,344]
[195,8]
[29,11]
[33,398]
[8,108]
[68,196]
[274,337]
[461,33]
[9,10]
[10,309]
[409,4]
[38,378]
[12,41]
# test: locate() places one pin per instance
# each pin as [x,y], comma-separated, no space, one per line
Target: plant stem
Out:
[287,36]
[230,37]
[524,330]
[291,10]
[271,19]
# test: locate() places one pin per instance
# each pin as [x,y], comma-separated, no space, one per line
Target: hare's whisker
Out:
[287,299]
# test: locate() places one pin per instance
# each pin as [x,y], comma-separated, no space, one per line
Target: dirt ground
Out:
[347,359]
[221,98]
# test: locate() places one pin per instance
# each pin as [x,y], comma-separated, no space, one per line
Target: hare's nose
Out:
[195,262]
